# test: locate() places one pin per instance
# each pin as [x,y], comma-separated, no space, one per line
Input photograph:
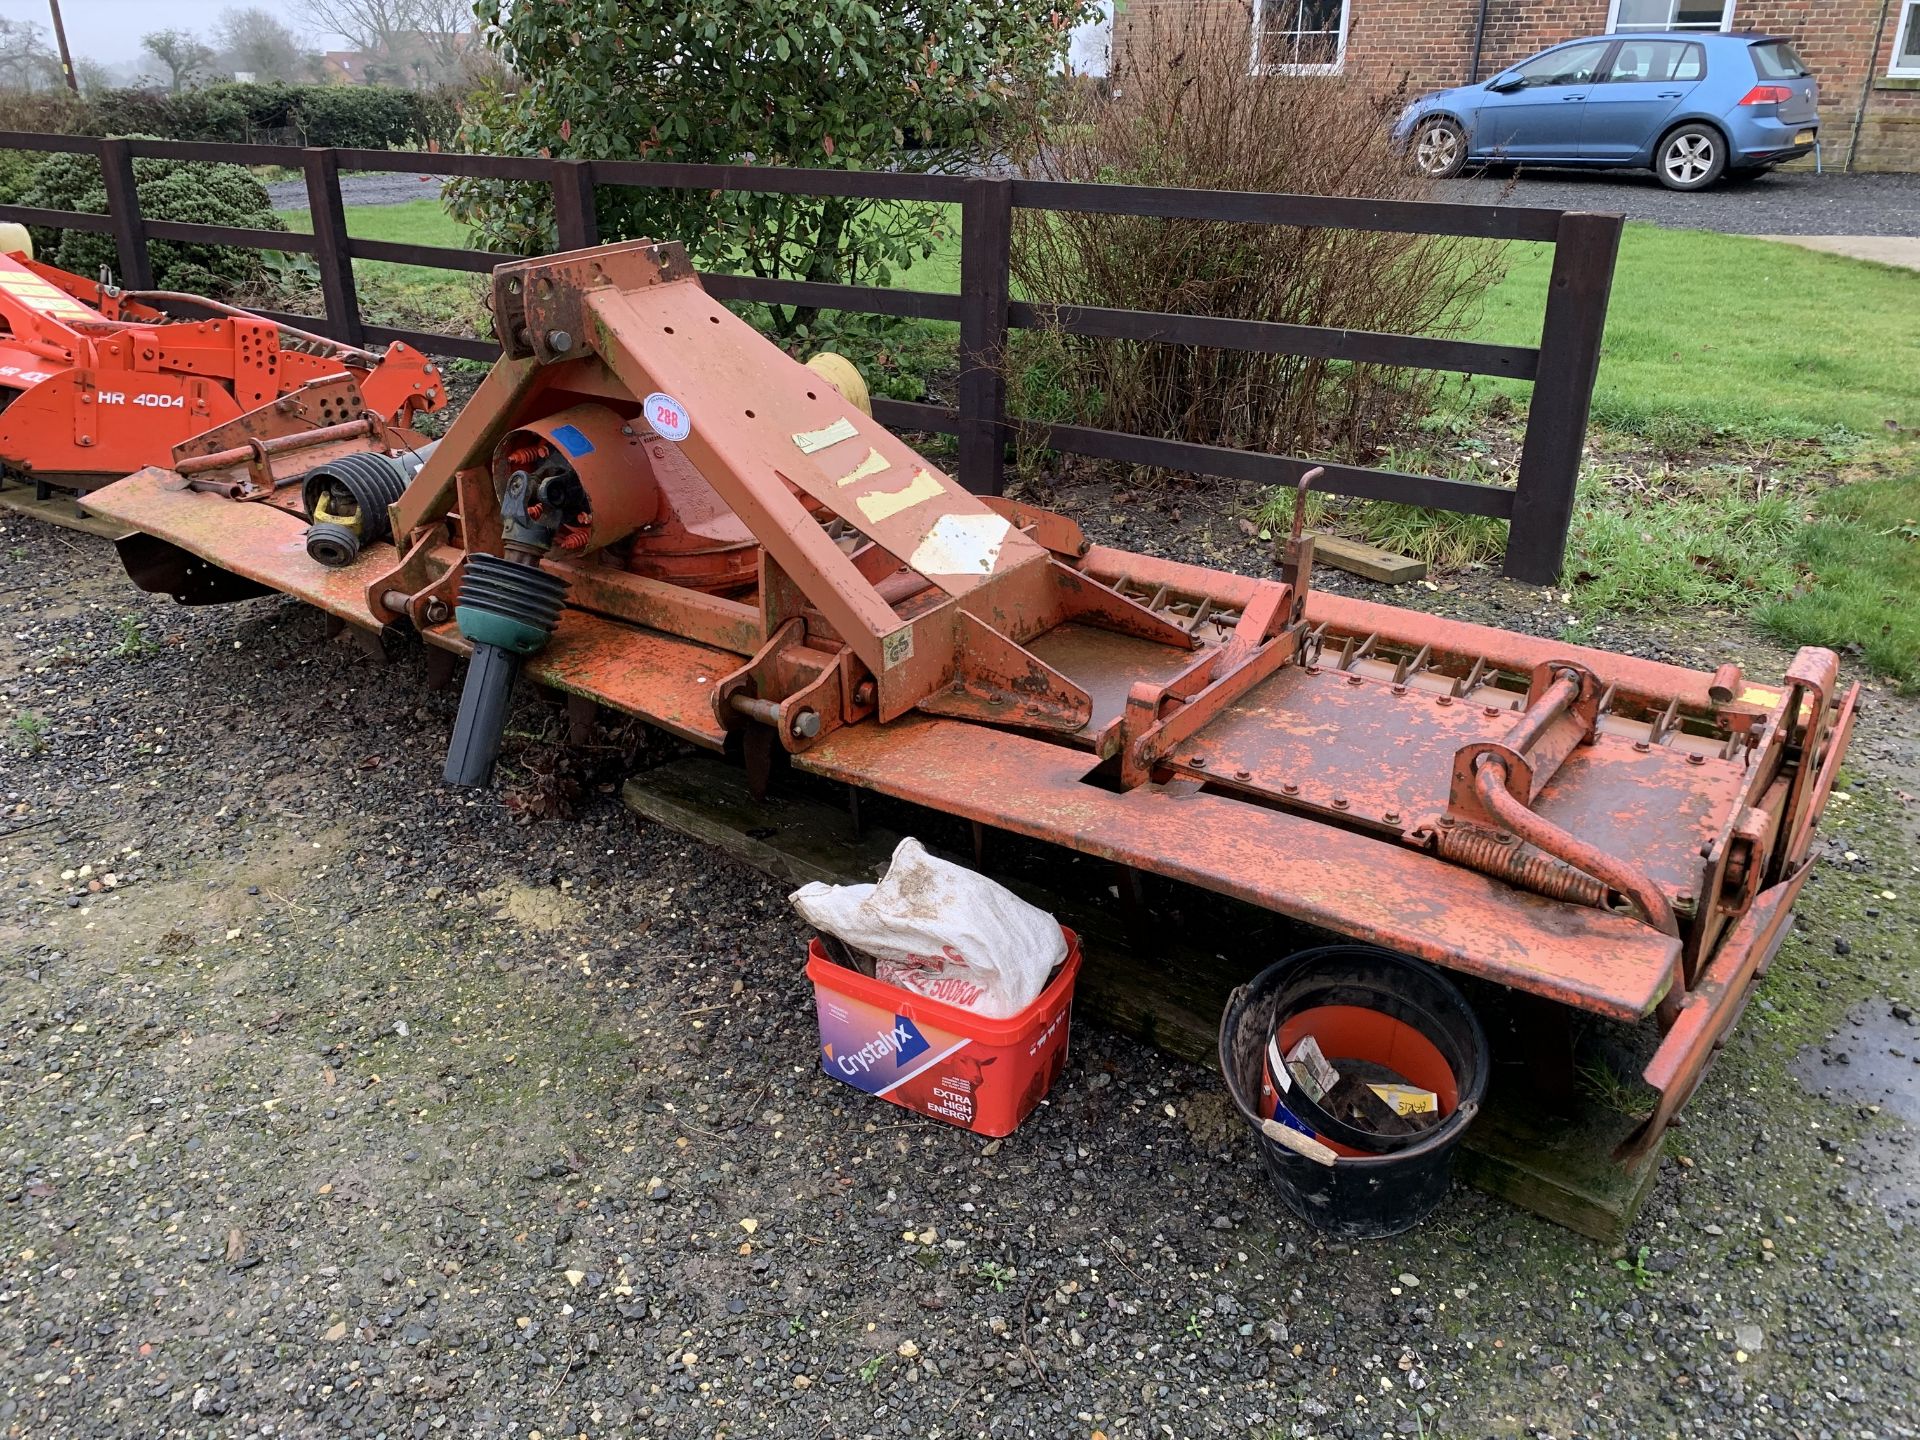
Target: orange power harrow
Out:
[96,381]
[649,506]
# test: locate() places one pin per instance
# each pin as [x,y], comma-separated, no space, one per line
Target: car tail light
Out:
[1767,95]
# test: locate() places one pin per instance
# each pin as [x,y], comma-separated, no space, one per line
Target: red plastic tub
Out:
[980,1074]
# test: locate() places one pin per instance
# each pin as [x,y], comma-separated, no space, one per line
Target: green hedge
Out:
[360,117]
[169,190]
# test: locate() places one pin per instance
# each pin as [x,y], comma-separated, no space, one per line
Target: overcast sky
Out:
[110,30]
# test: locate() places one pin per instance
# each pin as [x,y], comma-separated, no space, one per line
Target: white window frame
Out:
[1613,21]
[1909,15]
[1284,67]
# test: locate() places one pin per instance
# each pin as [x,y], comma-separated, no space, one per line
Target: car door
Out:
[1532,112]
[1645,81]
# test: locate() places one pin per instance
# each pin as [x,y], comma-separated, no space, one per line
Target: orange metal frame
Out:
[95,382]
[1617,835]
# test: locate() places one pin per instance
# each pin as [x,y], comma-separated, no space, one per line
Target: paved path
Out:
[1901,250]
[1782,203]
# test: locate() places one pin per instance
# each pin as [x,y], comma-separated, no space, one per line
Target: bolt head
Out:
[806,724]
[559,340]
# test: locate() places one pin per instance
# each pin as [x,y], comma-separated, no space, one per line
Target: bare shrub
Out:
[1184,110]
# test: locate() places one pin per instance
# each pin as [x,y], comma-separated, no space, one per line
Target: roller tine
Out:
[1346,653]
[1472,682]
[1366,646]
[1662,726]
[1159,599]
[1606,702]
[1412,665]
[1200,616]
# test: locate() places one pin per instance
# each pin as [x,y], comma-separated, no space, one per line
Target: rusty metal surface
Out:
[1591,959]
[665,681]
[1712,1005]
[1643,681]
[259,542]
[1107,664]
[1617,835]
[1370,753]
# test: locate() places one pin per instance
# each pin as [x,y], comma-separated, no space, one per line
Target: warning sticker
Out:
[667,416]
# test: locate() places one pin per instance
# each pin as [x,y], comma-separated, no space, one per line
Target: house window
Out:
[1299,36]
[1671,15]
[1906,41]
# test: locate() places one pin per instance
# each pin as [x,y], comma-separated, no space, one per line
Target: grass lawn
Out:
[411,296]
[1751,336]
[1713,342]
[1727,338]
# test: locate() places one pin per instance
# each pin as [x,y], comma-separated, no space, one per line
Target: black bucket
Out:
[1371,1195]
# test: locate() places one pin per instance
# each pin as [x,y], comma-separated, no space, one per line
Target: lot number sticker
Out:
[667,416]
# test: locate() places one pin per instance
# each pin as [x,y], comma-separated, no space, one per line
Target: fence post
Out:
[330,245]
[123,205]
[573,210]
[986,237]
[1584,252]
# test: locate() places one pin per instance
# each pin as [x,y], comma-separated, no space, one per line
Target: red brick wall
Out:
[1432,45]
[1425,44]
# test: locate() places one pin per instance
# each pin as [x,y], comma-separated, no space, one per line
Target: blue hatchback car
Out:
[1689,106]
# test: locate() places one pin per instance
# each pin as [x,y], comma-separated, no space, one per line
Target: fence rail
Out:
[1561,368]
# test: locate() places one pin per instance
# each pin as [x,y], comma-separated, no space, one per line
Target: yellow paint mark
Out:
[1759,695]
[872,465]
[880,505]
[812,440]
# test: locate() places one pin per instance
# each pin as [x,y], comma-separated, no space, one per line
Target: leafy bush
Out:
[838,84]
[17,169]
[360,117]
[1183,110]
[168,190]
[52,112]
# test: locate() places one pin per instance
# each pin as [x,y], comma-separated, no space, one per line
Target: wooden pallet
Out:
[1554,1165]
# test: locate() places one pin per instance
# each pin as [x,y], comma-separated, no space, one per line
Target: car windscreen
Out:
[1777,60]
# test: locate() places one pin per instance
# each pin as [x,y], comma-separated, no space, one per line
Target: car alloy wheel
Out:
[1436,151]
[1689,158]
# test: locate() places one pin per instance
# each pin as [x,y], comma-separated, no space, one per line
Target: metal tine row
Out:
[1193,610]
[1349,653]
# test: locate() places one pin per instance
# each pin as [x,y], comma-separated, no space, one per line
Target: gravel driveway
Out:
[335,1103]
[1781,203]
[361,187]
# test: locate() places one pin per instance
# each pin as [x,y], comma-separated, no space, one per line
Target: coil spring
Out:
[523,456]
[1508,860]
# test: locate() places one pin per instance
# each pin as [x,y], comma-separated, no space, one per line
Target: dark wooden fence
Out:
[1561,368]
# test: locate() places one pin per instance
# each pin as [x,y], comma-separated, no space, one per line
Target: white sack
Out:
[942,931]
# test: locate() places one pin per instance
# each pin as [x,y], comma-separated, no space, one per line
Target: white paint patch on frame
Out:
[961,545]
